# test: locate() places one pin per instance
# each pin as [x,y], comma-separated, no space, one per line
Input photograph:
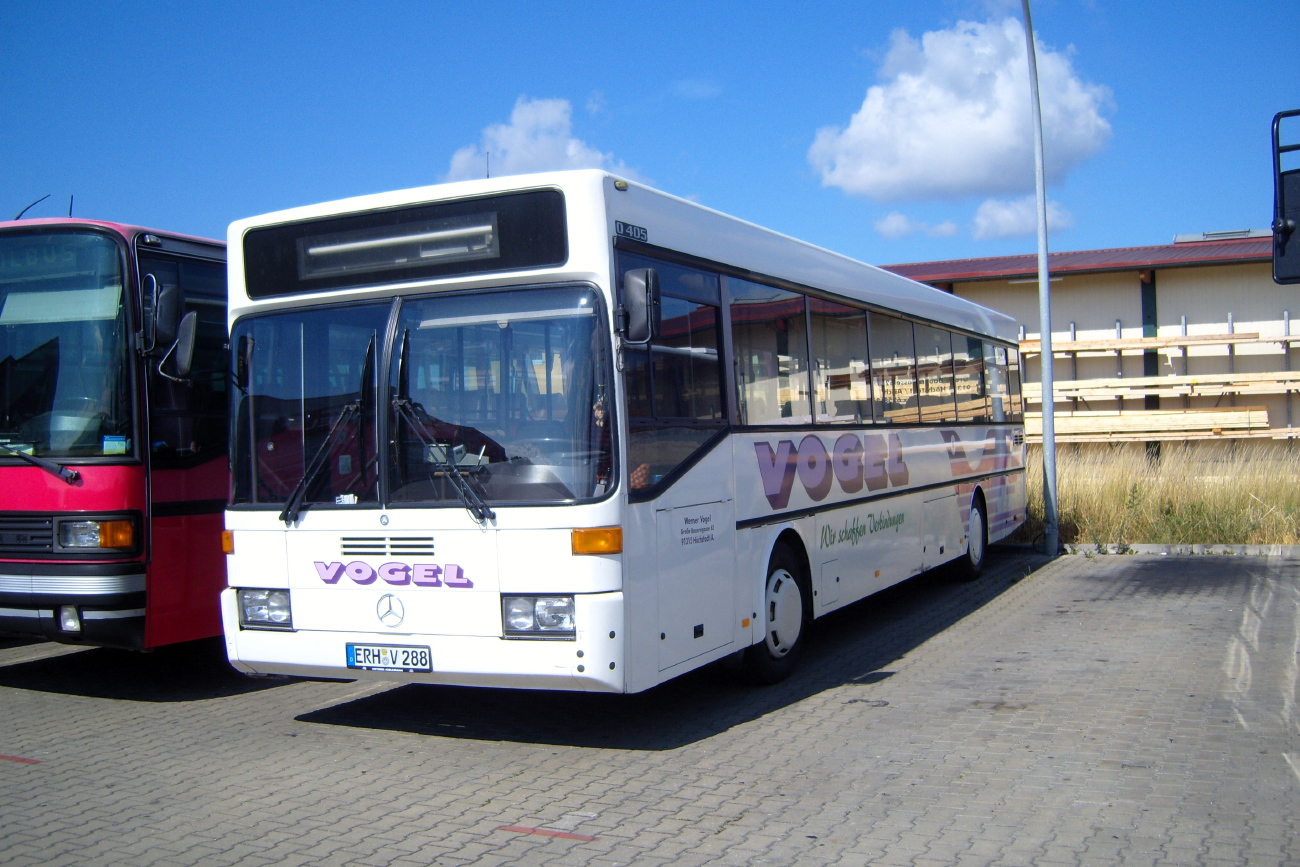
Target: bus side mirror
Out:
[185,333]
[166,316]
[641,311]
[1286,207]
[183,348]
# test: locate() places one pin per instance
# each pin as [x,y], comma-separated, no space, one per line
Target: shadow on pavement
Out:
[853,645]
[1193,576]
[192,671]
[7,642]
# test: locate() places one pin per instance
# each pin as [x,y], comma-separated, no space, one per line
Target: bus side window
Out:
[841,376]
[934,374]
[770,344]
[968,371]
[1013,377]
[995,373]
[893,370]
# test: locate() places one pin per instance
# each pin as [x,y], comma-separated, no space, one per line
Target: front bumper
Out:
[109,598]
[457,659]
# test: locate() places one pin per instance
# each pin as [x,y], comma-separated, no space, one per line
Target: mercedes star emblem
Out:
[390,610]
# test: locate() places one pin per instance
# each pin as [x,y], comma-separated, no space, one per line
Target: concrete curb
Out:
[1283,551]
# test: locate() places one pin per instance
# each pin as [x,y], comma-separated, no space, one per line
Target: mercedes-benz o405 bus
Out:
[564,431]
[112,433]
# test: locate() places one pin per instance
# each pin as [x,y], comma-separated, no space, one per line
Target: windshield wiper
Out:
[68,474]
[469,497]
[293,505]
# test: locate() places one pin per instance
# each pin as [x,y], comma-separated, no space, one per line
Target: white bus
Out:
[564,431]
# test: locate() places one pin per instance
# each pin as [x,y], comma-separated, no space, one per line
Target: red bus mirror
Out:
[185,334]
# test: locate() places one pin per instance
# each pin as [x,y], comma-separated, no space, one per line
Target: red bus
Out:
[113,467]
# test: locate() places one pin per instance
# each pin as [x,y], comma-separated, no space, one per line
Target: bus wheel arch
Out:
[971,563]
[786,613]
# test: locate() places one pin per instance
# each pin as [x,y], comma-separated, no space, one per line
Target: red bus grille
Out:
[26,534]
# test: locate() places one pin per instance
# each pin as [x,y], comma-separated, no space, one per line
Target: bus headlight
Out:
[119,534]
[264,609]
[538,616]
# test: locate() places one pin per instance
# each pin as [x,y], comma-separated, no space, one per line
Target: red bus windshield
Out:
[64,383]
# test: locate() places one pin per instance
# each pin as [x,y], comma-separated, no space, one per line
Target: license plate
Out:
[384,657]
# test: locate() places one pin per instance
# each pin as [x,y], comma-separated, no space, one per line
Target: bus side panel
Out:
[641,597]
[680,562]
[868,547]
[184,581]
[886,500]
[187,568]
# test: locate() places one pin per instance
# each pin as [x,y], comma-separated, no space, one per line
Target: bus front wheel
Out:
[784,619]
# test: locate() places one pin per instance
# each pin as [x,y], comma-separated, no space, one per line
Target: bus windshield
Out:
[64,383]
[511,387]
[504,392]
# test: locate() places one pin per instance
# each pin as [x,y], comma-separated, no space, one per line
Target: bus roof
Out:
[675,224]
[126,230]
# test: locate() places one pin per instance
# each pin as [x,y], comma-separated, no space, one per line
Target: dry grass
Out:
[1223,494]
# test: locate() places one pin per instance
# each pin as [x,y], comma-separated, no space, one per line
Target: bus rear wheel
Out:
[971,564]
[784,619]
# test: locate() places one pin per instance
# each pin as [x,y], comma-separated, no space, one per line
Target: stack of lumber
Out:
[1147,425]
[1196,385]
[1141,344]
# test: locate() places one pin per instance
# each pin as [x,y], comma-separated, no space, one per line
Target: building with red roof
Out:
[1199,286]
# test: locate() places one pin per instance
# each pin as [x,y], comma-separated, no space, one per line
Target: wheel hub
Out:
[784,604]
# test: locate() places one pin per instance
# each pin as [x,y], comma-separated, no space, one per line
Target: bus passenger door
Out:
[189,479]
[697,554]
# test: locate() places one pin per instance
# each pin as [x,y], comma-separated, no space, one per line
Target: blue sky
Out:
[886,131]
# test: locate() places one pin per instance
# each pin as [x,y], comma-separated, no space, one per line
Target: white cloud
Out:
[1016,218]
[538,138]
[952,118]
[696,88]
[895,225]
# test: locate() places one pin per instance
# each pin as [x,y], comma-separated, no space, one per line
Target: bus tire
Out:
[784,619]
[970,564]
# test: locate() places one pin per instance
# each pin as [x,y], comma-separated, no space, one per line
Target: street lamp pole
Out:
[1051,527]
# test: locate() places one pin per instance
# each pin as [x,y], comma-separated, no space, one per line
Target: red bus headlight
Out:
[116,534]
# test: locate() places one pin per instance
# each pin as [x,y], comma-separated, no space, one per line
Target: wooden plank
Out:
[1064,347]
[1140,422]
[1211,384]
[1272,433]
[1113,344]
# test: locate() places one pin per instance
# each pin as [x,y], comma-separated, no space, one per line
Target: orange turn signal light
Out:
[116,534]
[228,541]
[598,540]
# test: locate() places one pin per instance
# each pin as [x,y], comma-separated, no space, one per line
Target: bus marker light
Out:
[228,541]
[598,540]
[116,534]
[68,619]
[744,624]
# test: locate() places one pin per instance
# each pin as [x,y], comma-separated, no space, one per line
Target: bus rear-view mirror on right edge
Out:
[1286,199]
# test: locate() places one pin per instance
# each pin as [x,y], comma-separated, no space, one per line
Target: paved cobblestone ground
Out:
[1108,710]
